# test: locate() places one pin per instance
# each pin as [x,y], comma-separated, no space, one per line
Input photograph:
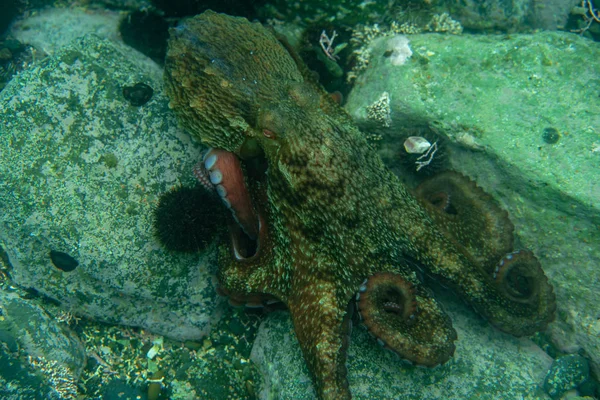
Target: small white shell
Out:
[416,145]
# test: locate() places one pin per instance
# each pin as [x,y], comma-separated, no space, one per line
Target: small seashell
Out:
[416,145]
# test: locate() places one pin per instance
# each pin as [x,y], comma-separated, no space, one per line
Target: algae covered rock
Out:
[519,115]
[511,16]
[501,93]
[40,357]
[505,92]
[82,170]
[566,373]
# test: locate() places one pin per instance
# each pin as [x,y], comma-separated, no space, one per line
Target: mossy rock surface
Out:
[82,170]
[40,357]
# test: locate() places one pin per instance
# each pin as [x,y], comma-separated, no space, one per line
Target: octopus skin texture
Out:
[327,228]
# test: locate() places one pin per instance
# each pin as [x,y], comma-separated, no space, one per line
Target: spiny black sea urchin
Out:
[188,219]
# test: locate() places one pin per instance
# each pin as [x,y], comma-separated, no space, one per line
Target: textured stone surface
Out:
[505,92]
[511,16]
[566,373]
[482,15]
[486,362]
[40,357]
[50,29]
[82,170]
[492,97]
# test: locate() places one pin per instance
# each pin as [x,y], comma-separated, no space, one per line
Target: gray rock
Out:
[35,341]
[50,29]
[551,14]
[18,381]
[491,98]
[486,362]
[514,15]
[481,15]
[81,171]
[566,373]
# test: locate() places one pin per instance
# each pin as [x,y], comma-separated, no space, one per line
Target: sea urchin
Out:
[188,219]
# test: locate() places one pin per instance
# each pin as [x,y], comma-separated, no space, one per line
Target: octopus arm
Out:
[508,288]
[405,319]
[322,326]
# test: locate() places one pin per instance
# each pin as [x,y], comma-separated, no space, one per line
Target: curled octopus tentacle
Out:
[518,276]
[469,215]
[513,294]
[405,320]
[221,170]
[520,280]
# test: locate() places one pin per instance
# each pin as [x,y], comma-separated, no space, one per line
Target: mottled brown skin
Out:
[332,213]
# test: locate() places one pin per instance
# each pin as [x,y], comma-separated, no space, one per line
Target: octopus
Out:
[319,223]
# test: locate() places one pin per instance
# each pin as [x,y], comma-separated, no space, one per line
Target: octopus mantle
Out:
[321,220]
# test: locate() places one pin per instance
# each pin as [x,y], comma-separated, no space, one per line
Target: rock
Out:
[486,362]
[41,358]
[51,29]
[339,12]
[18,380]
[491,99]
[566,373]
[475,15]
[511,16]
[82,170]
[551,14]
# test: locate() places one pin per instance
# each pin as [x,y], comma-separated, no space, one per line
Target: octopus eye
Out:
[269,134]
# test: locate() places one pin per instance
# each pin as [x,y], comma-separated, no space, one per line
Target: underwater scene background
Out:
[299,199]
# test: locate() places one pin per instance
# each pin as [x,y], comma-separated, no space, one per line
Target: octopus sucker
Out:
[520,278]
[225,173]
[389,293]
[389,307]
[323,213]
[460,208]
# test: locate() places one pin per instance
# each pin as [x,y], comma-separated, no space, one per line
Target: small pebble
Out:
[566,373]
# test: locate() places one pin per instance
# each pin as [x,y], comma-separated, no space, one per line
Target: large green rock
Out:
[492,98]
[82,170]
